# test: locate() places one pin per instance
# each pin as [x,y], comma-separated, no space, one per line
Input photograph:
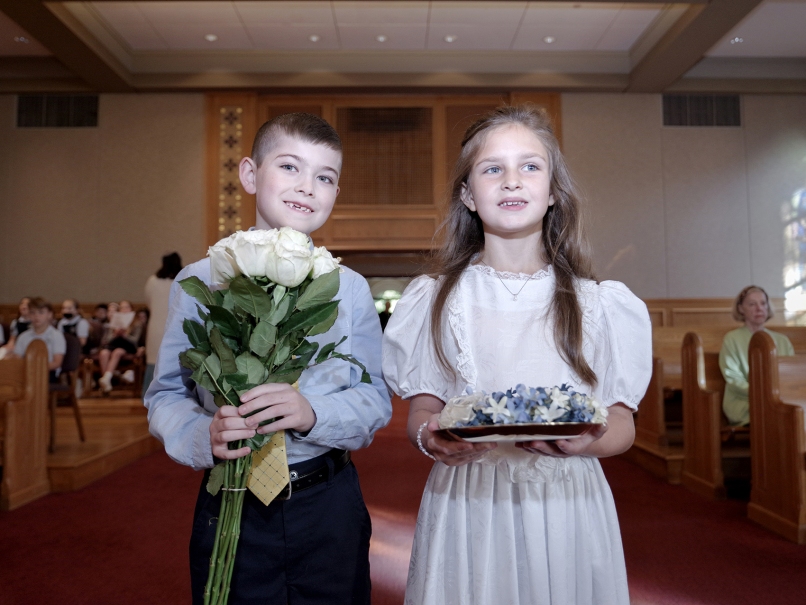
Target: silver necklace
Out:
[514,294]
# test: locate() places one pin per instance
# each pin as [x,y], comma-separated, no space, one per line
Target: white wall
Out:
[686,212]
[89,212]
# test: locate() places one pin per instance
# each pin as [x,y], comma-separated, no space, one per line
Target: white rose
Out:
[291,260]
[252,249]
[458,411]
[323,262]
[222,264]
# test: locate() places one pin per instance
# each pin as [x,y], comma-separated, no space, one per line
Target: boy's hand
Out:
[228,426]
[280,401]
[449,450]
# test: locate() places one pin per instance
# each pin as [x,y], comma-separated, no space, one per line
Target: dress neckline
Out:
[542,273]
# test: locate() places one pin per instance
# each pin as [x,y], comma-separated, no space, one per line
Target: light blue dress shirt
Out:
[348,412]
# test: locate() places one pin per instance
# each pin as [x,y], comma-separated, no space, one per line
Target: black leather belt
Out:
[340,458]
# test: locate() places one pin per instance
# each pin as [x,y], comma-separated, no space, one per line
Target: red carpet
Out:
[124,539]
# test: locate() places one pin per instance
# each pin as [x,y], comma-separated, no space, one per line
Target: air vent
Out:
[57,111]
[701,110]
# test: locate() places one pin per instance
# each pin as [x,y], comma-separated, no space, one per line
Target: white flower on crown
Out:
[323,262]
[292,259]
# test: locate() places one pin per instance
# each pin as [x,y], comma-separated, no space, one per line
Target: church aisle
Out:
[124,538]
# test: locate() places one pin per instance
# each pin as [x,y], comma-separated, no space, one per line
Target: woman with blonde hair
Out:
[751,307]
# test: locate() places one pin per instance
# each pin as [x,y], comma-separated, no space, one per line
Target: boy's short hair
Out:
[103,306]
[39,303]
[305,126]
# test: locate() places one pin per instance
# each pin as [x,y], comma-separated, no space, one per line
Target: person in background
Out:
[157,292]
[97,324]
[72,322]
[385,314]
[752,307]
[124,341]
[18,325]
[41,328]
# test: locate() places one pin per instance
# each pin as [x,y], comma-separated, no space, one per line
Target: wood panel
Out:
[24,427]
[778,439]
[697,312]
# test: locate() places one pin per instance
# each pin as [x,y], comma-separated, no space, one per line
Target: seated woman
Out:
[123,341]
[752,306]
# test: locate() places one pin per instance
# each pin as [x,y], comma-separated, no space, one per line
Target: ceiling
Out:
[112,46]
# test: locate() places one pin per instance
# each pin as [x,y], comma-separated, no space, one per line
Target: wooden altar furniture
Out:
[24,427]
[777,440]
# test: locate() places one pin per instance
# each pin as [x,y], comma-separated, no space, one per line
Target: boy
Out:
[313,547]
[41,316]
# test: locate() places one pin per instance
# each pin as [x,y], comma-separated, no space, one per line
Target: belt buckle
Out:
[292,476]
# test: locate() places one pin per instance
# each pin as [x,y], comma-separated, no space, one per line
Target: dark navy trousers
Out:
[311,549]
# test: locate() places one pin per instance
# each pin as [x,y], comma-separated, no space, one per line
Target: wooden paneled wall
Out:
[702,312]
[399,151]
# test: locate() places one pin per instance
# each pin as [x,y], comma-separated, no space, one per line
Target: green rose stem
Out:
[228,530]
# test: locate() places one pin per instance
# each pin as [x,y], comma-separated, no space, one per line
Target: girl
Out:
[513,301]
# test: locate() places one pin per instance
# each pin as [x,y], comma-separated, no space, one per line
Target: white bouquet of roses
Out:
[274,291]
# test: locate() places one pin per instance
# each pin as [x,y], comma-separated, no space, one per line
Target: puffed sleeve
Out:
[410,366]
[627,346]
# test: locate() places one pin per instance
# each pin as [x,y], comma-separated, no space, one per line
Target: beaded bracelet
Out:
[420,440]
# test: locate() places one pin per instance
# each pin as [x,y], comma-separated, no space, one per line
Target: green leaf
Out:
[192,359]
[216,478]
[250,297]
[258,441]
[305,352]
[289,377]
[246,332]
[225,354]
[251,366]
[208,373]
[226,321]
[303,320]
[278,293]
[280,310]
[324,326]
[321,290]
[365,377]
[220,400]
[324,354]
[218,296]
[263,338]
[198,290]
[228,302]
[205,317]
[281,353]
[196,334]
[292,301]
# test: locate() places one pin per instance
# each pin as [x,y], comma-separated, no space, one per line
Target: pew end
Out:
[24,400]
[778,440]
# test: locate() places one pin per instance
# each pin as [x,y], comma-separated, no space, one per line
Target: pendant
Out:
[514,297]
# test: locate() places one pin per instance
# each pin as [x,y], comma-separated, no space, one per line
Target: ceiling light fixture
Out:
[450,38]
[381,38]
[549,39]
[737,40]
[211,37]
[21,39]
[313,38]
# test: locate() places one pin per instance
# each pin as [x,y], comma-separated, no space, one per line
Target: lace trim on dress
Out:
[464,360]
[508,274]
[520,466]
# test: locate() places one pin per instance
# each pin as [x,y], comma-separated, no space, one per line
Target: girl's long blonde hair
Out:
[564,245]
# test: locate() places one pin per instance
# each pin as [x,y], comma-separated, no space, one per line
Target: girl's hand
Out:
[563,448]
[228,426]
[451,450]
[280,401]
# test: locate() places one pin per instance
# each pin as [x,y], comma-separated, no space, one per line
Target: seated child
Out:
[312,548]
[17,327]
[41,316]
[72,322]
[124,339]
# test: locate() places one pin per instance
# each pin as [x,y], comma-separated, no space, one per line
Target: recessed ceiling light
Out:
[21,39]
[313,38]
[737,40]
[549,39]
[381,38]
[211,37]
[450,38]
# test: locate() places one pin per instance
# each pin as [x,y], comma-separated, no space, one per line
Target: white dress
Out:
[517,528]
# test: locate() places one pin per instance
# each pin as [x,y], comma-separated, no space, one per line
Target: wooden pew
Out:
[655,448]
[24,419]
[777,440]
[707,438]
